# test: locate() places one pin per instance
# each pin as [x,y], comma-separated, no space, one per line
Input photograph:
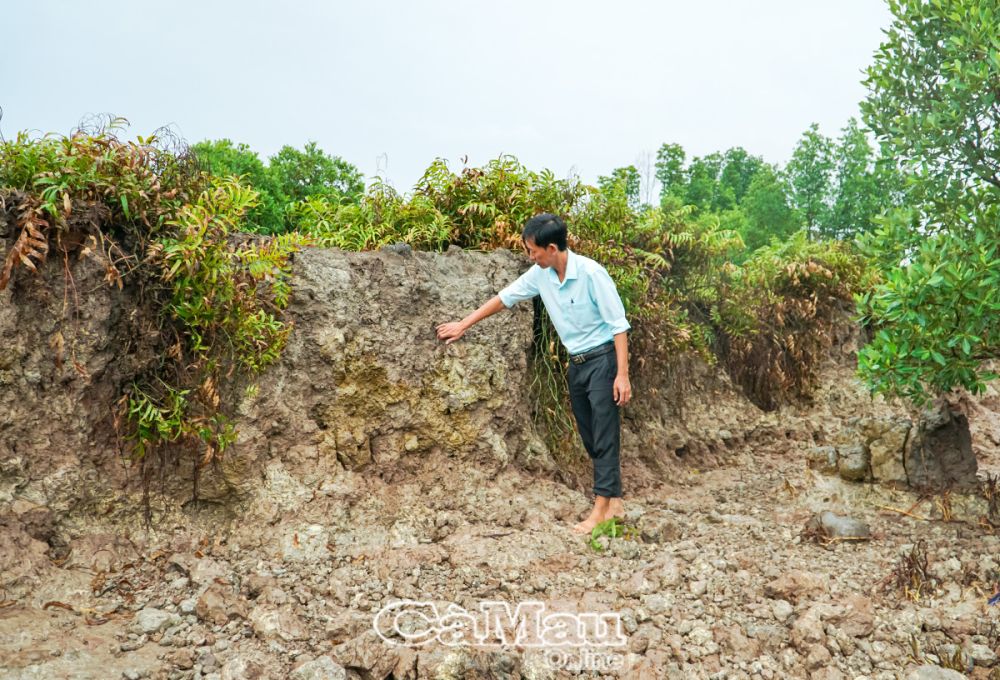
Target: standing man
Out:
[588,314]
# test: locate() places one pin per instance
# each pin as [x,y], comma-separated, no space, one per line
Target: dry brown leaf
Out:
[57,345]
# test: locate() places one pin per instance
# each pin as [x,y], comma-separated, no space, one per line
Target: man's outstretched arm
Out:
[450,332]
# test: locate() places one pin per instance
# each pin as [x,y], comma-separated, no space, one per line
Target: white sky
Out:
[574,85]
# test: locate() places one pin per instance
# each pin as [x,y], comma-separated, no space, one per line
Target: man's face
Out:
[543,257]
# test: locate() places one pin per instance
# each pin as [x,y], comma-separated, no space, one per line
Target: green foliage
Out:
[489,205]
[767,210]
[670,169]
[777,313]
[838,189]
[935,317]
[702,189]
[213,285]
[614,527]
[311,173]
[865,186]
[157,420]
[222,158]
[478,208]
[625,181]
[381,218]
[739,169]
[933,100]
[933,106]
[129,178]
[810,173]
[291,177]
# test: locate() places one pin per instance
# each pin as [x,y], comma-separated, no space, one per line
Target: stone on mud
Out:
[323,668]
[152,620]
[823,458]
[853,462]
[282,623]
[795,585]
[218,604]
[929,672]
[838,526]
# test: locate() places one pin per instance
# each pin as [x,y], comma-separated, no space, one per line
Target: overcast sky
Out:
[574,86]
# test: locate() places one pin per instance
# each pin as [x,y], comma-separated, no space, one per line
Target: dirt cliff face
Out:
[68,344]
[365,384]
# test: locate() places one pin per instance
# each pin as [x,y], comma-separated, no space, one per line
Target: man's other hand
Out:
[622,390]
[450,332]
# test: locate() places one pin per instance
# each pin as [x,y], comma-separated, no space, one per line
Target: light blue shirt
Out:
[585,307]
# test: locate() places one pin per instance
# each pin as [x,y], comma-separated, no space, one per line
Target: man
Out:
[587,312]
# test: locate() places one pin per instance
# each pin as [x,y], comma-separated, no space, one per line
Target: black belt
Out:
[600,351]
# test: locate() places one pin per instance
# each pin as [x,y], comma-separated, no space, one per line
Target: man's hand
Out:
[622,389]
[450,332]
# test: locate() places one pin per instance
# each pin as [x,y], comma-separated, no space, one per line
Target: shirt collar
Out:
[571,258]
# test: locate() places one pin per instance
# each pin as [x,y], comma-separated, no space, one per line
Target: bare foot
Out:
[615,508]
[596,516]
[587,525]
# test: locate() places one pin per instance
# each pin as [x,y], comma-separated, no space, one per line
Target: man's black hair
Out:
[545,229]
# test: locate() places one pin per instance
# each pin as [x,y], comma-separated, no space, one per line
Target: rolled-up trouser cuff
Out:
[608,481]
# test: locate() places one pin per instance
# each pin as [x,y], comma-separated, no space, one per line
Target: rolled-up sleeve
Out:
[608,301]
[524,287]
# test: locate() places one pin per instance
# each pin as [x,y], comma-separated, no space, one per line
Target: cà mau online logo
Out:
[414,623]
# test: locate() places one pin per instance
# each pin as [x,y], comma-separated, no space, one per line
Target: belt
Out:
[600,351]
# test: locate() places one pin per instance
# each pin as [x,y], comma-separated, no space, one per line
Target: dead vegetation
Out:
[911,575]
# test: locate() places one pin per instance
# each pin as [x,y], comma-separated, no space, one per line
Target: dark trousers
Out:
[592,395]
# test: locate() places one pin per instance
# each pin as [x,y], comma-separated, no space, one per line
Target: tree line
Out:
[832,188]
